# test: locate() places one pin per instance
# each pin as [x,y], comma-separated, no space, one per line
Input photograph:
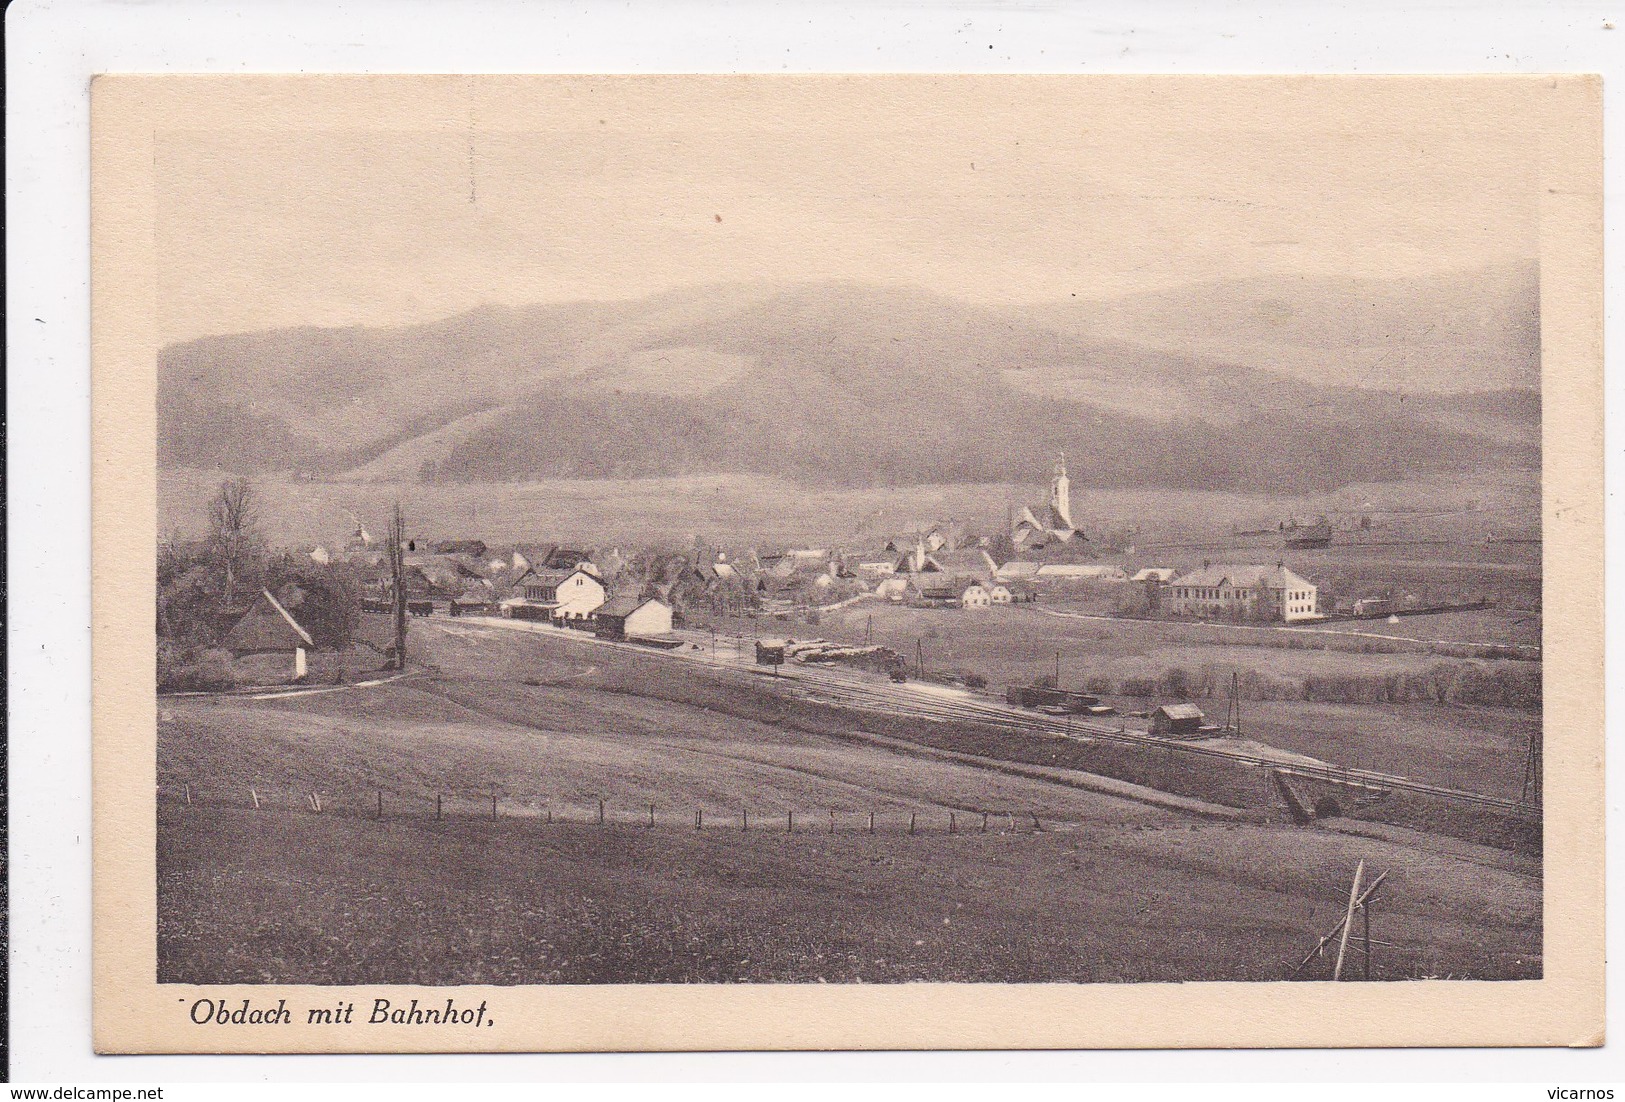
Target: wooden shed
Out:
[1176,719]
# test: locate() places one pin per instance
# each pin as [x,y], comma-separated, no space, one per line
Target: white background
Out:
[54,47]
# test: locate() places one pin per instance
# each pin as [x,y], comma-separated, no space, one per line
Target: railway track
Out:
[925,701]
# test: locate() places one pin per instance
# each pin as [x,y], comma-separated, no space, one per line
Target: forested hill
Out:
[849,384]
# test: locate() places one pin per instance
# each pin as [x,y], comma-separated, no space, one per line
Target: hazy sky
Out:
[260,227]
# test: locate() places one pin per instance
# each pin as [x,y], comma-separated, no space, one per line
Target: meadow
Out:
[755,510]
[1105,890]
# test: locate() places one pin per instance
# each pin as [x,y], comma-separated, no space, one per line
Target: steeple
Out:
[1060,496]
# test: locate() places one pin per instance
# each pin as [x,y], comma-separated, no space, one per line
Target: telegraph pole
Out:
[397,569]
[1531,768]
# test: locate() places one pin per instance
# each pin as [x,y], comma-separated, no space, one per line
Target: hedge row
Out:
[1509,686]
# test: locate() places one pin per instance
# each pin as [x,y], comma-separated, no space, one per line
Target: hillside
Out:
[840,384]
[1469,331]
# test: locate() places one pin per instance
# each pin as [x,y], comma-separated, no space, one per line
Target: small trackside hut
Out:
[1177,720]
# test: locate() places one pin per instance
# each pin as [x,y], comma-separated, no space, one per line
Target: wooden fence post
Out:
[600,812]
[911,822]
[1037,826]
[549,814]
[744,820]
[438,809]
[832,820]
[699,818]
[255,796]
[493,807]
[984,822]
[380,813]
[790,823]
[651,814]
[188,795]
[871,822]
[953,823]
[316,800]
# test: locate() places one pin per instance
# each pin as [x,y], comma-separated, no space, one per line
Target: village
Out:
[641,594]
[944,683]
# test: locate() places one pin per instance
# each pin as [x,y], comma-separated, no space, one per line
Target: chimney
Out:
[1206,563]
[1280,564]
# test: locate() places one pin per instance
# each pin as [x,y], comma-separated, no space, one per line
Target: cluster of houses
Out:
[612,592]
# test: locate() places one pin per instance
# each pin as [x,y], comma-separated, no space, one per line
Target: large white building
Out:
[561,594]
[1223,590]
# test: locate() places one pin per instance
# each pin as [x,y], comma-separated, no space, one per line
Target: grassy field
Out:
[1109,890]
[1017,642]
[292,898]
[751,509]
[1489,625]
[566,746]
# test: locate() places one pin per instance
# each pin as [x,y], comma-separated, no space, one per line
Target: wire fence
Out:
[463,805]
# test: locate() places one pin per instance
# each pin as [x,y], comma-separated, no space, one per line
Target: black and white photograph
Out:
[728,548]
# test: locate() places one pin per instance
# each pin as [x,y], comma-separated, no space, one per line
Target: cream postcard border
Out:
[134,1013]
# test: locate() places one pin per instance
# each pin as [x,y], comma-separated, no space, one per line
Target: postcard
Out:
[751,562]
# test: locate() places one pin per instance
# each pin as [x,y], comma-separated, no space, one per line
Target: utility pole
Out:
[397,570]
[919,659]
[869,631]
[1348,920]
[1532,767]
[1057,669]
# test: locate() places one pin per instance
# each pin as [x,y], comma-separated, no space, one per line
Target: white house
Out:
[975,596]
[565,594]
[1252,591]
[1000,595]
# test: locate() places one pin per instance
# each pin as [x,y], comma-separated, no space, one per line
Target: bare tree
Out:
[234,532]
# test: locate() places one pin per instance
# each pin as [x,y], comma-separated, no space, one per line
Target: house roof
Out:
[267,626]
[1180,711]
[536,554]
[542,577]
[624,606]
[969,561]
[1159,573]
[941,585]
[1216,575]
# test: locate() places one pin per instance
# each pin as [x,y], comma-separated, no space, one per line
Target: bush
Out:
[975,680]
[1138,686]
[208,672]
[1261,686]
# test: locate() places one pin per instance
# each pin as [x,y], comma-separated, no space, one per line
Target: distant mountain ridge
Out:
[851,384]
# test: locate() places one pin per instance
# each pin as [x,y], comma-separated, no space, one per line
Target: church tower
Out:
[1060,497]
